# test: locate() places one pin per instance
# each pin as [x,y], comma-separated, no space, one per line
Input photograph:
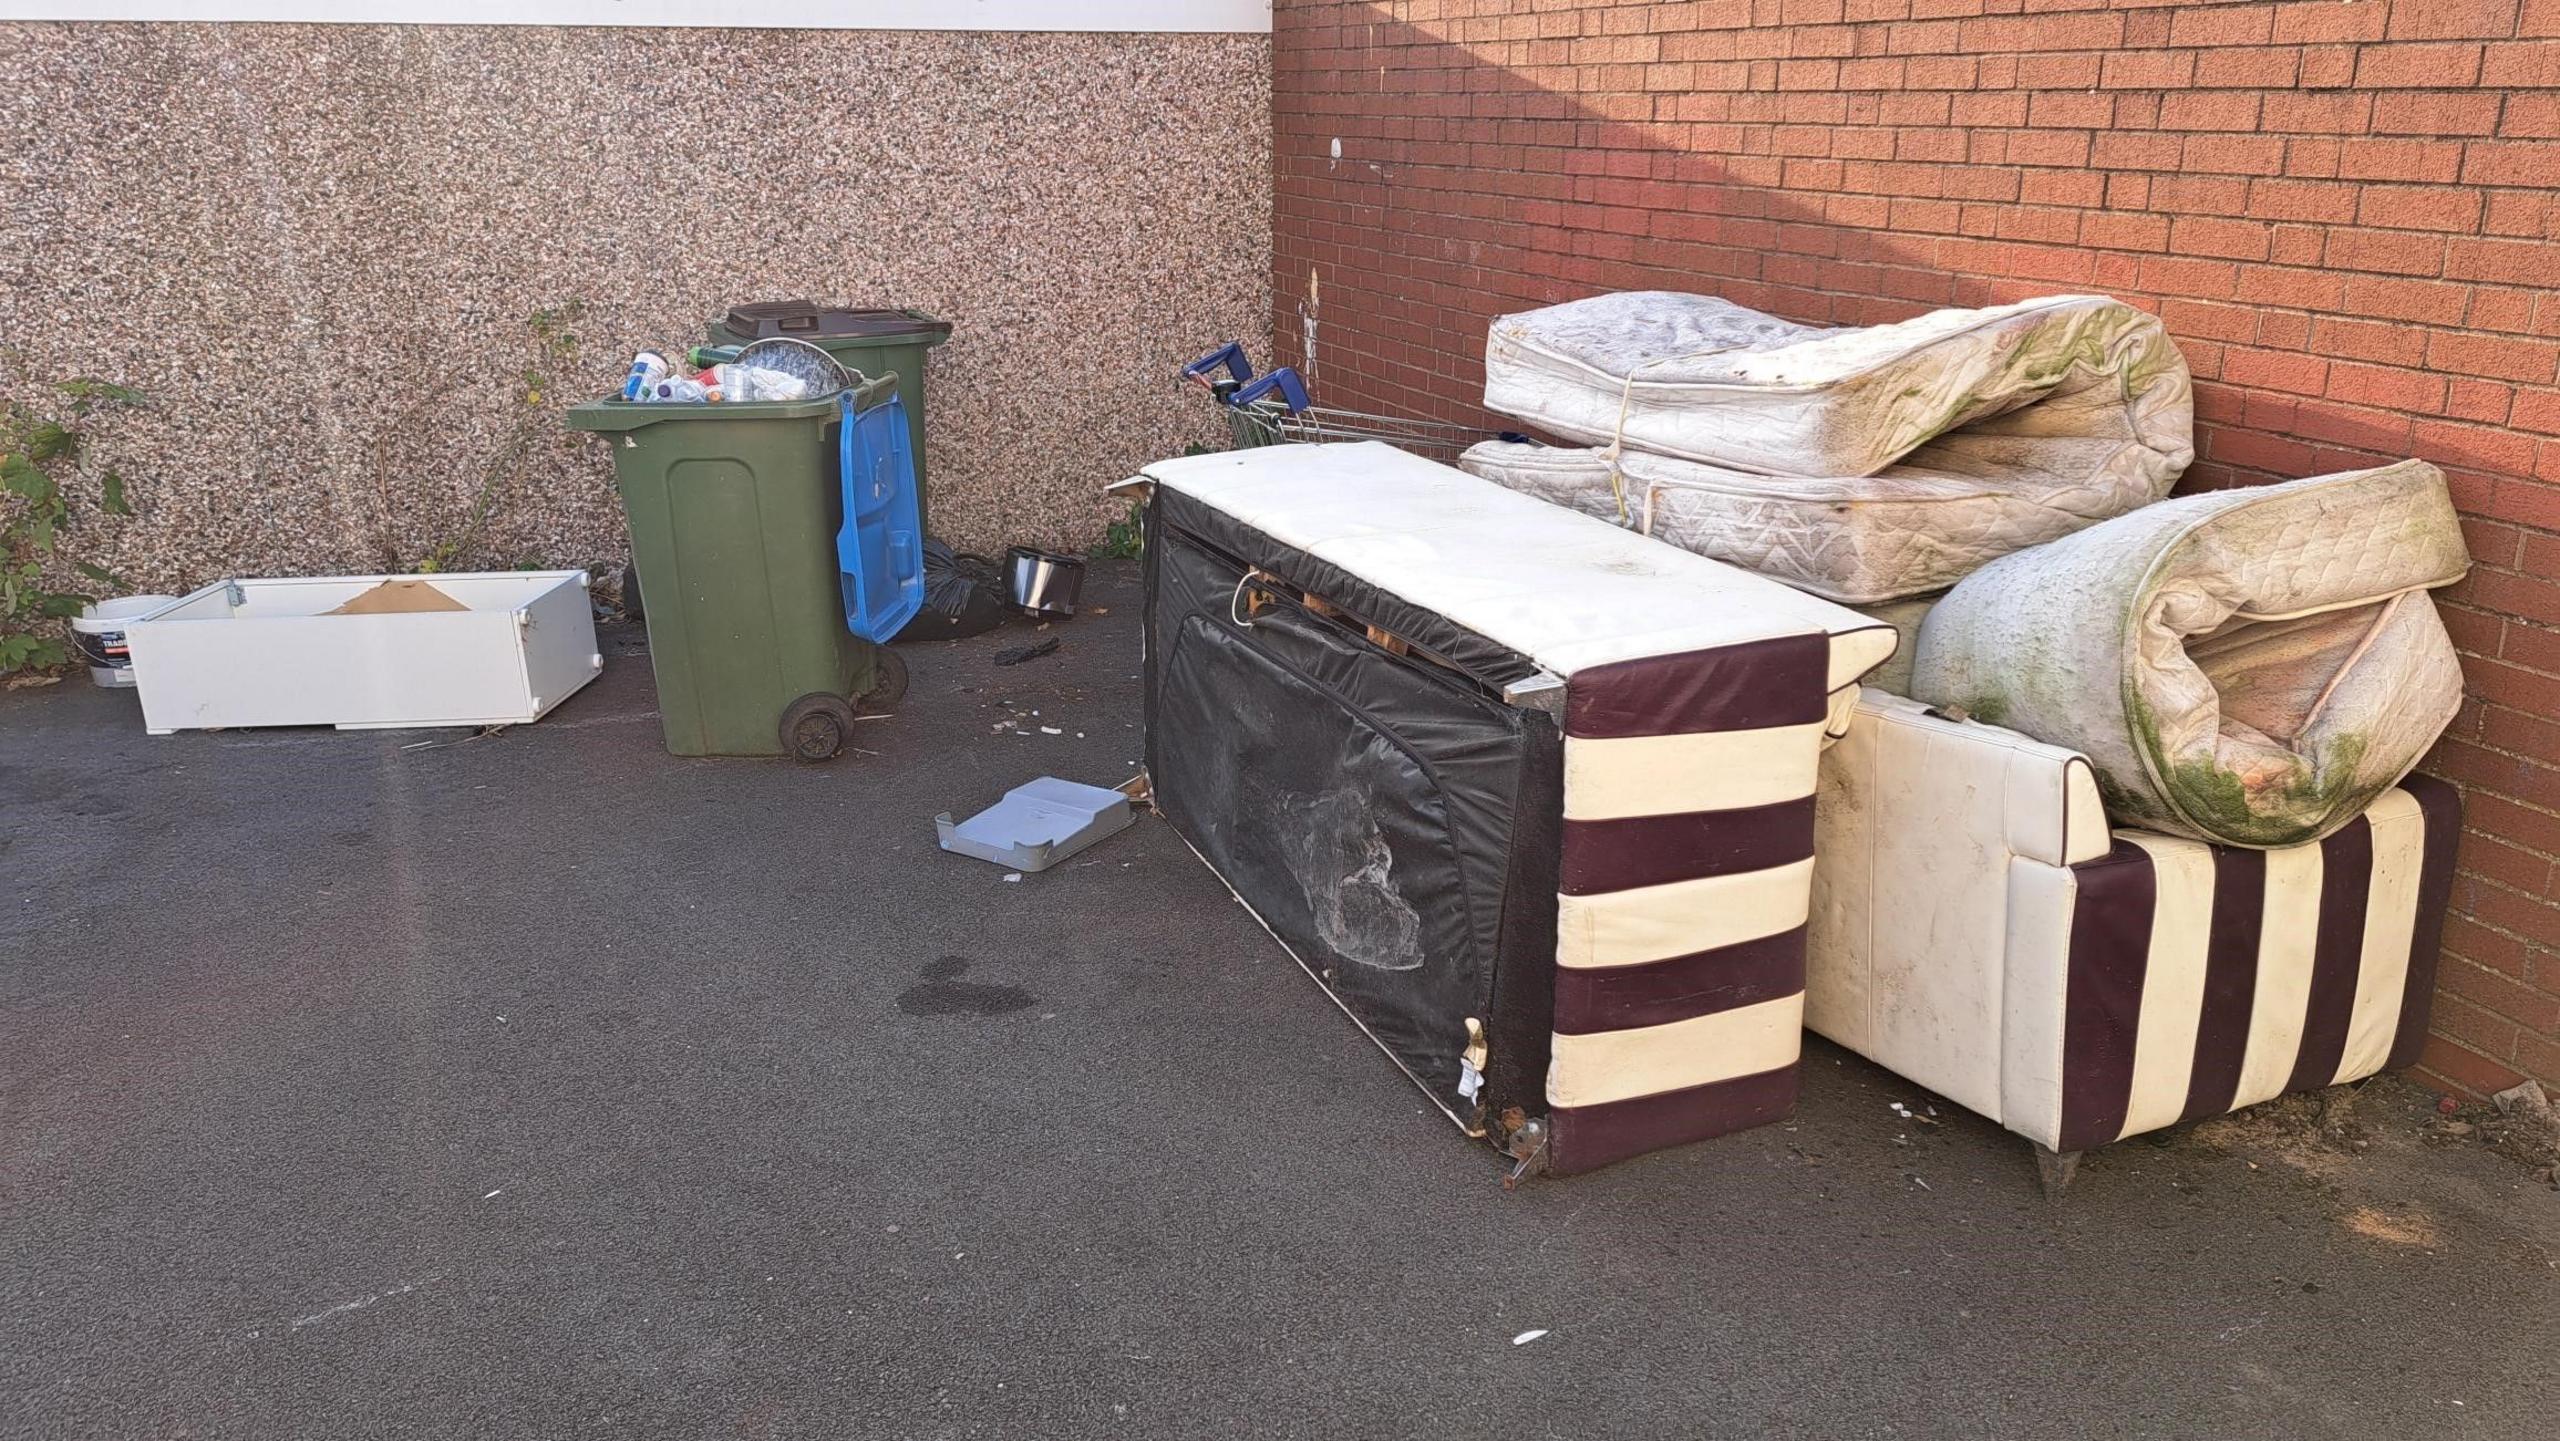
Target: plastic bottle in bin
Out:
[742,383]
[648,369]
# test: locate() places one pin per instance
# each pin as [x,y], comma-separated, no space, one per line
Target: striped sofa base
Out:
[1978,929]
[1531,797]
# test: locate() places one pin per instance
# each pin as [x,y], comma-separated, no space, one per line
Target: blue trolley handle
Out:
[1231,355]
[1240,386]
[1293,391]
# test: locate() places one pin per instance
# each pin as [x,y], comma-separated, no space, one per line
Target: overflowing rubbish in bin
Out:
[867,340]
[777,542]
[778,369]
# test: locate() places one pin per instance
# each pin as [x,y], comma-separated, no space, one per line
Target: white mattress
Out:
[1566,590]
[1703,379]
[2249,667]
[1917,526]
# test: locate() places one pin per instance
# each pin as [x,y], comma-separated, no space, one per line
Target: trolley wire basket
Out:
[1273,408]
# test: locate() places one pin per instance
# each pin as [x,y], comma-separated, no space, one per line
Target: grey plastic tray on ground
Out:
[1037,824]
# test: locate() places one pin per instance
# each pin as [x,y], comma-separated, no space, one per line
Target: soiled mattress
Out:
[1917,526]
[2249,667]
[1862,464]
[1704,379]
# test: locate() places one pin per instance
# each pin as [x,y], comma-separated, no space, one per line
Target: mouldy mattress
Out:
[1528,795]
[1917,526]
[2245,666]
[1703,379]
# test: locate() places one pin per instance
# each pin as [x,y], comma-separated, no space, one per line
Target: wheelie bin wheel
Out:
[815,726]
[888,680]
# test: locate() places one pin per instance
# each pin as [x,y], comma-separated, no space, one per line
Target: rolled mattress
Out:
[2251,667]
[1702,379]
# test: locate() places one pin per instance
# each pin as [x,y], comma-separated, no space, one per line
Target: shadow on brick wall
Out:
[1431,176]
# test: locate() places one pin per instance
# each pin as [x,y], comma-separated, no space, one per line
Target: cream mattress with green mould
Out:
[1860,463]
[2245,666]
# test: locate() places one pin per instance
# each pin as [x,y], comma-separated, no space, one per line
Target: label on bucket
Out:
[98,634]
[105,648]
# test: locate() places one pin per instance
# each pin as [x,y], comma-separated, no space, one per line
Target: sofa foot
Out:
[2055,1169]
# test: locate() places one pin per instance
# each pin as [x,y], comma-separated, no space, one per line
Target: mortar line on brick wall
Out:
[2534,948]
[2452,984]
[2510,842]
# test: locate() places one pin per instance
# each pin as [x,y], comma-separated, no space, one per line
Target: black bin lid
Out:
[808,320]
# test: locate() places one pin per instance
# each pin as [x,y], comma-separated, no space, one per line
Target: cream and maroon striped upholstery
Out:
[2201,978]
[1686,865]
[1679,847]
[1977,929]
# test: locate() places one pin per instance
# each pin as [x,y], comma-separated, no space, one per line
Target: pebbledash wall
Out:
[2343,209]
[317,246]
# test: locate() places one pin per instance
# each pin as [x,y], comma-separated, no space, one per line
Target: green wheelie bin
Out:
[734,511]
[874,342]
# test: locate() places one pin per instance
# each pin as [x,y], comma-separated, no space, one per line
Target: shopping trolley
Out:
[1273,408]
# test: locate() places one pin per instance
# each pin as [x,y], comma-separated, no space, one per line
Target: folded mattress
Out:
[1917,526]
[2249,667]
[1702,379]
[1528,795]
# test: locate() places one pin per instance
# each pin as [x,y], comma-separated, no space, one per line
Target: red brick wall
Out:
[2344,210]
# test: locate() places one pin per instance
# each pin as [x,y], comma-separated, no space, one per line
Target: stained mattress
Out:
[1917,526]
[1704,379]
[2251,667]
[1862,464]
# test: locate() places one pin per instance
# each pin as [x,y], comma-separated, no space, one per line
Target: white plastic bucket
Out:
[98,631]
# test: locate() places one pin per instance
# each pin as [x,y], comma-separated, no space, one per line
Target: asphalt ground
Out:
[545,1085]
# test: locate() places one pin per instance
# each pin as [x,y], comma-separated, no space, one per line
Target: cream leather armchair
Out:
[1979,929]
